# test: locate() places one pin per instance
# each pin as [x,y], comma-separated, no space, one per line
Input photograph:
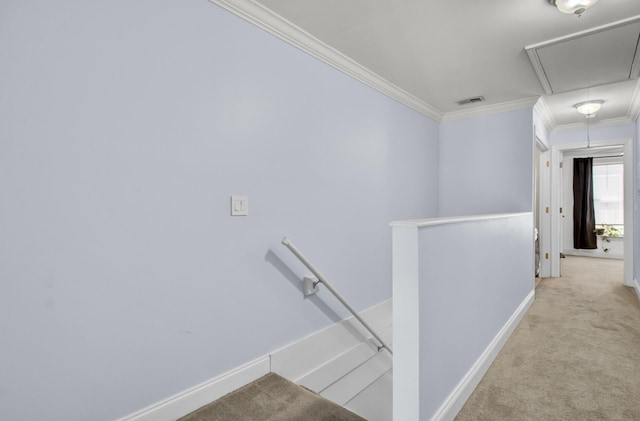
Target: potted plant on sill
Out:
[607,231]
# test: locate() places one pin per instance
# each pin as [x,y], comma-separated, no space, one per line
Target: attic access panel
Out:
[603,55]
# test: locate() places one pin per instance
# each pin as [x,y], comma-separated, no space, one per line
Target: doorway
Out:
[562,154]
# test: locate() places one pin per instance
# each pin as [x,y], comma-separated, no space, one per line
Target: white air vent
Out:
[473,100]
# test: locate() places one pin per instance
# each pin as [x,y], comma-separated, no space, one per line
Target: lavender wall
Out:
[466,297]
[486,164]
[124,128]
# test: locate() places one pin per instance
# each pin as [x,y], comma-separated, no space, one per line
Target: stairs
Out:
[356,385]
[271,398]
[359,379]
[339,364]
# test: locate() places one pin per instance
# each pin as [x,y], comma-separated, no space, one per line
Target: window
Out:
[608,194]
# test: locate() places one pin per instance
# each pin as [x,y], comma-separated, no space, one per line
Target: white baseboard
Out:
[593,253]
[189,400]
[467,385]
[314,355]
[636,287]
[297,360]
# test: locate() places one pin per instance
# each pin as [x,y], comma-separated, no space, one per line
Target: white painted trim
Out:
[456,400]
[310,354]
[629,174]
[276,25]
[406,317]
[634,106]
[636,287]
[541,141]
[544,229]
[191,399]
[555,202]
[532,52]
[299,359]
[545,114]
[581,34]
[618,121]
[347,387]
[629,203]
[422,223]
[539,68]
[635,66]
[490,109]
[326,375]
[597,254]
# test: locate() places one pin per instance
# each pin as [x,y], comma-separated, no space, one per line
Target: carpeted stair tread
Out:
[272,398]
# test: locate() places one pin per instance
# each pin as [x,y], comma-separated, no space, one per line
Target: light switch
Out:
[239,205]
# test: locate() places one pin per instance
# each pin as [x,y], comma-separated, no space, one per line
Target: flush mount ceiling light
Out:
[577,7]
[589,108]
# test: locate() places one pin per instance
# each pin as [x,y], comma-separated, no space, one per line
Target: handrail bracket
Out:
[310,286]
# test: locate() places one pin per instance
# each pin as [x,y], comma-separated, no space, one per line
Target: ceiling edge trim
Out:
[618,121]
[634,106]
[635,66]
[545,114]
[490,109]
[586,32]
[532,50]
[539,69]
[294,35]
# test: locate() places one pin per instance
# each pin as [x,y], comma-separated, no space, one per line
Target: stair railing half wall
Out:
[321,279]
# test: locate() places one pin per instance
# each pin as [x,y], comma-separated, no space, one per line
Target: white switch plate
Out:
[239,205]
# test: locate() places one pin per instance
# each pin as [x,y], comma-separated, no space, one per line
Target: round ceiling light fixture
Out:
[589,108]
[576,7]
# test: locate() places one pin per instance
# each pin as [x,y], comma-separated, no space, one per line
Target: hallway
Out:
[574,356]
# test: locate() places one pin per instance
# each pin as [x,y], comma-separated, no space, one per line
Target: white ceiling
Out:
[443,51]
[595,57]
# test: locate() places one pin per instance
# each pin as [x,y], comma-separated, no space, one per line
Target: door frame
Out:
[544,178]
[629,189]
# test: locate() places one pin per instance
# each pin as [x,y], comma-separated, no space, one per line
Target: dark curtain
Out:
[584,221]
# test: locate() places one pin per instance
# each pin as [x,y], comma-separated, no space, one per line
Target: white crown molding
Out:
[292,34]
[619,121]
[490,109]
[267,20]
[634,106]
[545,114]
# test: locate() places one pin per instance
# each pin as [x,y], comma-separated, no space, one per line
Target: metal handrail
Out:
[287,243]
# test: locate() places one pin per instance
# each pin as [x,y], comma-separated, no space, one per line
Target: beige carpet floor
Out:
[574,356]
[272,398]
